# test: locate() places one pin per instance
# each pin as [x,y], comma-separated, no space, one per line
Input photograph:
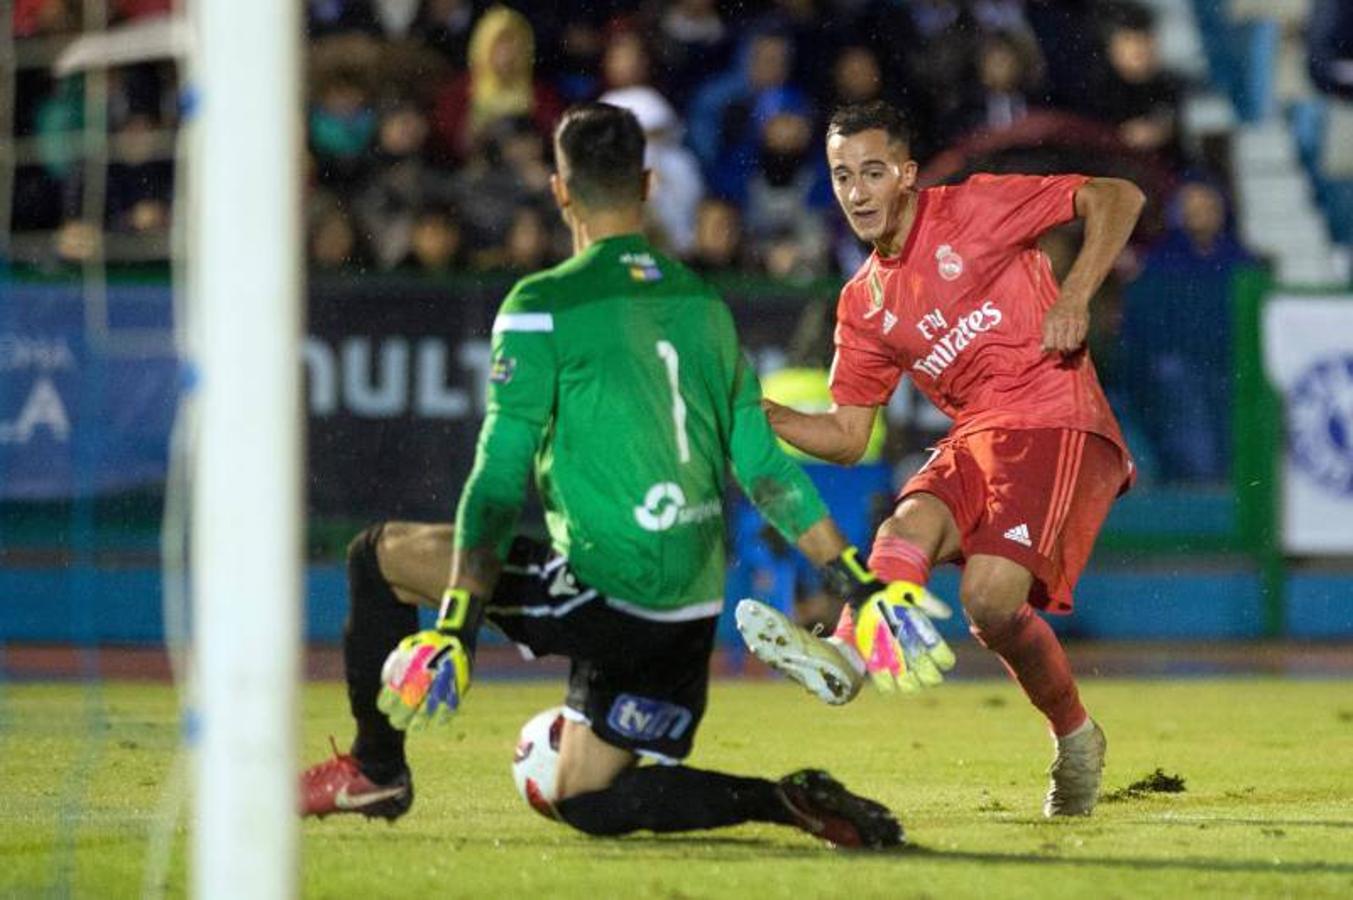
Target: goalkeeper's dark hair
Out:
[604,148]
[858,117]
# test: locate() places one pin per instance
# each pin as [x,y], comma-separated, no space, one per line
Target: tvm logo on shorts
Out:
[646,719]
[665,506]
[1320,423]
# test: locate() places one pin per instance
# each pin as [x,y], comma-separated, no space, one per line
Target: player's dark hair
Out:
[858,117]
[604,148]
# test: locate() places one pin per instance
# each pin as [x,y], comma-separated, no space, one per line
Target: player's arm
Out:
[427,674]
[863,376]
[771,480]
[520,402]
[491,501]
[839,436]
[1110,208]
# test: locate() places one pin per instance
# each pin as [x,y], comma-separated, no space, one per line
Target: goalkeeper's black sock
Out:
[674,798]
[377,621]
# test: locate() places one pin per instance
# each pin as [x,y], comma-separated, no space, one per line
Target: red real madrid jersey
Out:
[960,309]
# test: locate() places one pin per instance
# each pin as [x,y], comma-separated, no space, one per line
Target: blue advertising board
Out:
[78,419]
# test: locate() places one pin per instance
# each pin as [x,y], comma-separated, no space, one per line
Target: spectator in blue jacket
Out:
[721,125]
[1177,336]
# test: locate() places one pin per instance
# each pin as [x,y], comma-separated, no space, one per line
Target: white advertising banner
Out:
[1308,356]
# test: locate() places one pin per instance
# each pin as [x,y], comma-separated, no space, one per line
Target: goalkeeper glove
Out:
[889,626]
[426,676]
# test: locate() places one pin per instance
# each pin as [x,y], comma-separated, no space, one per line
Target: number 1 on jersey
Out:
[668,353]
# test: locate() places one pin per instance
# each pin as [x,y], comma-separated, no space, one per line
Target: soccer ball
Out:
[535,761]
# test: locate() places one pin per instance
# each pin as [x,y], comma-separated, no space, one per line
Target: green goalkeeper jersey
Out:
[618,377]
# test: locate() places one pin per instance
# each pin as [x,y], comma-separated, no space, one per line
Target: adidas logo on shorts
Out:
[1020,535]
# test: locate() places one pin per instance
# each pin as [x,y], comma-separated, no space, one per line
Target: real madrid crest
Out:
[949,263]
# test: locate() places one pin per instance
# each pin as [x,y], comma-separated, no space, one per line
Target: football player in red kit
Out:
[957,295]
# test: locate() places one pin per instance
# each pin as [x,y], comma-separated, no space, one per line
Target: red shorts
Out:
[1034,496]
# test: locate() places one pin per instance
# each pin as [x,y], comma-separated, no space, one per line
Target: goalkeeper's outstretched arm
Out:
[889,632]
[774,483]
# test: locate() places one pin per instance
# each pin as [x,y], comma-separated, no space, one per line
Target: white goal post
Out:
[245,278]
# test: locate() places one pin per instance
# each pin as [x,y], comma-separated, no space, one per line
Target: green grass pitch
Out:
[1268,809]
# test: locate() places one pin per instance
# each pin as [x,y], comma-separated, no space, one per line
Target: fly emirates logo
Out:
[947,342]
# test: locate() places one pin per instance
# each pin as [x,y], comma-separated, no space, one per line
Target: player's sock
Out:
[377,621]
[1084,727]
[674,798]
[1035,658]
[898,559]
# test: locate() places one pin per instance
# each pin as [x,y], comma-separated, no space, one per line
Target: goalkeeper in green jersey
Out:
[617,381]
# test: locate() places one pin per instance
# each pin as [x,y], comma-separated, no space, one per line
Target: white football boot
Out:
[830,669]
[1076,772]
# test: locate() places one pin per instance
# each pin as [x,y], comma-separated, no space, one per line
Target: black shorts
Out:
[640,685]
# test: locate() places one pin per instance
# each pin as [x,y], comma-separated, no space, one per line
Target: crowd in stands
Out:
[429,128]
[429,120]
